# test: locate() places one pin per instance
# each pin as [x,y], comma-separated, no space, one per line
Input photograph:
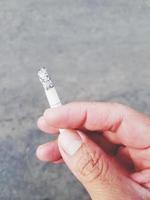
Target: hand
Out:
[109,153]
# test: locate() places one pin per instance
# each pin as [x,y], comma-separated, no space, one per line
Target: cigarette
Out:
[49,88]
[54,100]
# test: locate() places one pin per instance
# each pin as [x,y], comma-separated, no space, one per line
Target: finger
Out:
[103,117]
[98,173]
[142,177]
[99,139]
[49,152]
[44,126]
[147,185]
[92,116]
[140,157]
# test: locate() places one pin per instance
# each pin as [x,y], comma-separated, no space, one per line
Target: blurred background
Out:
[95,50]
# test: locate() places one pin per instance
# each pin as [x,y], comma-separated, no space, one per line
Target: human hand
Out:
[110,151]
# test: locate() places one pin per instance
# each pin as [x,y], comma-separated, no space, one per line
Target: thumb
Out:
[92,167]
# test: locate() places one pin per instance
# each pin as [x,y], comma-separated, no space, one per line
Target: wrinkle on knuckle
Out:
[92,166]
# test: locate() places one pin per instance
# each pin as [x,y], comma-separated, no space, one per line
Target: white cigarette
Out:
[49,88]
[54,101]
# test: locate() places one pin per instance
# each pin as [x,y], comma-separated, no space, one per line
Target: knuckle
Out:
[92,166]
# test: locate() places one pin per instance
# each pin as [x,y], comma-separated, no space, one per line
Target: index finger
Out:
[128,127]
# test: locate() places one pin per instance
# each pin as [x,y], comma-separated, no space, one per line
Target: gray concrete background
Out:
[94,49]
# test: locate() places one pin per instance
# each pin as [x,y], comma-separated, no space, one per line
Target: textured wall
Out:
[94,49]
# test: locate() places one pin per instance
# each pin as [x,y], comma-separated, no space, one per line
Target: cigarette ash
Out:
[45,79]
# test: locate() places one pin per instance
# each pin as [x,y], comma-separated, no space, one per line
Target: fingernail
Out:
[70,141]
[40,152]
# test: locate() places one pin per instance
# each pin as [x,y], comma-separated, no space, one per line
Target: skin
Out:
[121,132]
